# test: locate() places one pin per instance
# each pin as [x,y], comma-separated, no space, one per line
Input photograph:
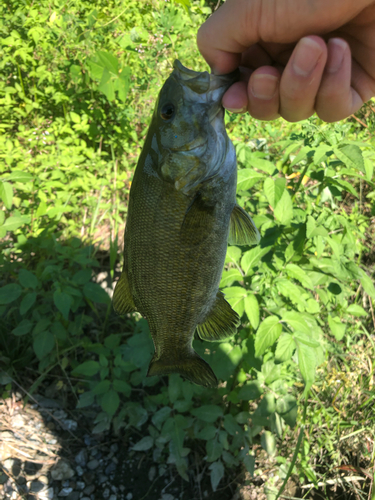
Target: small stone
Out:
[81,457]
[113,497]
[65,484]
[89,489]
[59,414]
[129,496]
[167,496]
[65,492]
[115,460]
[106,493]
[51,426]
[93,464]
[8,463]
[36,486]
[73,496]
[102,478]
[80,485]
[43,479]
[17,420]
[110,468]
[3,478]
[61,471]
[79,470]
[68,424]
[122,488]
[46,494]
[85,498]
[113,448]
[152,473]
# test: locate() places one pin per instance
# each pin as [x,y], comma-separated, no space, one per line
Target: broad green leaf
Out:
[19,176]
[291,291]
[233,254]
[95,292]
[320,153]
[214,450]
[82,277]
[351,156]
[230,425]
[287,408]
[285,348]
[268,442]
[229,277]
[252,310]
[13,223]
[369,168]
[102,387]
[250,391]
[313,230]
[296,321]
[6,194]
[247,178]
[43,344]
[63,302]
[268,332]
[367,284]
[86,399]
[274,189]
[160,416]
[264,165]
[10,293]
[88,368]
[305,339]
[299,274]
[235,296]
[110,402]
[23,328]
[337,328]
[284,209]
[144,444]
[27,279]
[305,150]
[356,310]
[208,413]
[306,363]
[217,473]
[251,258]
[249,463]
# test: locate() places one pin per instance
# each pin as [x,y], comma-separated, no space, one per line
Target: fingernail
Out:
[263,86]
[336,50]
[234,110]
[306,57]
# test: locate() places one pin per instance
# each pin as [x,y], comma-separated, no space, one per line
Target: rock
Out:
[152,473]
[79,470]
[36,486]
[46,494]
[73,496]
[167,496]
[60,414]
[65,492]
[89,489]
[106,493]
[102,478]
[110,468]
[113,497]
[113,448]
[80,485]
[81,458]
[43,479]
[61,471]
[129,496]
[17,420]
[69,424]
[93,464]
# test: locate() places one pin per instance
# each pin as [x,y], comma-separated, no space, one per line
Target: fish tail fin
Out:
[191,367]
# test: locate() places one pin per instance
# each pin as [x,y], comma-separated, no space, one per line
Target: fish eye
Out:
[167,111]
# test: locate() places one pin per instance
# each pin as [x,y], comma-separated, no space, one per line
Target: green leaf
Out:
[285,348]
[27,279]
[112,341]
[19,176]
[356,310]
[249,462]
[296,321]
[160,416]
[274,189]
[110,402]
[305,339]
[337,328]
[82,277]
[43,344]
[351,156]
[284,209]
[250,391]
[251,258]
[252,310]
[13,223]
[367,284]
[268,442]
[88,369]
[299,274]
[63,302]
[247,178]
[217,473]
[268,332]
[291,291]
[233,254]
[235,296]
[214,450]
[144,444]
[231,426]
[27,302]
[23,328]
[6,194]
[208,413]
[306,363]
[122,386]
[9,293]
[287,408]
[95,292]
[229,276]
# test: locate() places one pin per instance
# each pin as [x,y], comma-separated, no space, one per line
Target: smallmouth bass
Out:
[182,213]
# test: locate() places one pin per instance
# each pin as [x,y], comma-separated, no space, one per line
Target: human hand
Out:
[296,57]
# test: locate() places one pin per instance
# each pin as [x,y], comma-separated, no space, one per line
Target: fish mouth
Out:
[204,82]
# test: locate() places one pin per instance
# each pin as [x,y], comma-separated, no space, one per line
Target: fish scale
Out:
[182,211]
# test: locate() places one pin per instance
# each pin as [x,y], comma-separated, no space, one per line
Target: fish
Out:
[182,213]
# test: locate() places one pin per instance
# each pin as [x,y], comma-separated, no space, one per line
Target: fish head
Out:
[190,137]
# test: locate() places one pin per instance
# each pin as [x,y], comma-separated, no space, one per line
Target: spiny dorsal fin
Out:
[122,298]
[242,230]
[221,322]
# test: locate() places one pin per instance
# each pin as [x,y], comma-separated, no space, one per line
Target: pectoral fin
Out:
[122,298]
[221,322]
[242,230]
[197,222]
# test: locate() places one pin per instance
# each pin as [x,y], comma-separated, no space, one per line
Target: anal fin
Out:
[222,321]
[242,230]
[122,298]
